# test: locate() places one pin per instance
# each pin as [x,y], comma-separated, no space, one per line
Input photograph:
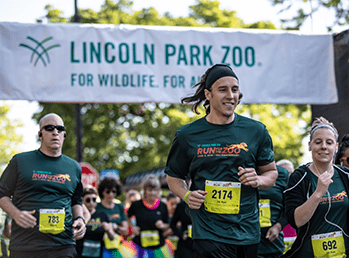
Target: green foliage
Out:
[137,137]
[9,139]
[308,7]
[287,125]
[54,15]
[130,138]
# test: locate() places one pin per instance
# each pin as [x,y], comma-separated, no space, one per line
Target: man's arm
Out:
[86,213]
[179,187]
[24,219]
[266,179]
[79,222]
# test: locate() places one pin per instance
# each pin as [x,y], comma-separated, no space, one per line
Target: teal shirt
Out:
[115,215]
[36,181]
[276,197]
[214,152]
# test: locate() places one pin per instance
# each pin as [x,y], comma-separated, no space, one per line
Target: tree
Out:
[308,7]
[138,137]
[9,139]
[287,125]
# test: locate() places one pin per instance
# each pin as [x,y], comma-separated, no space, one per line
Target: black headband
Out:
[218,71]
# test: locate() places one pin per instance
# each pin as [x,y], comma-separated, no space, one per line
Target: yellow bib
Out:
[112,244]
[150,238]
[222,197]
[328,245]
[190,231]
[51,221]
[264,213]
[288,241]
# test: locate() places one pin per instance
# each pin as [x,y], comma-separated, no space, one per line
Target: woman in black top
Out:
[151,220]
[92,244]
[316,199]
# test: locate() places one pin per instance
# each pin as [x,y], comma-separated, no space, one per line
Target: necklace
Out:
[318,170]
[151,206]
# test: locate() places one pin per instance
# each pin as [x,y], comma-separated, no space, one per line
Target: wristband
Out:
[186,196]
[80,217]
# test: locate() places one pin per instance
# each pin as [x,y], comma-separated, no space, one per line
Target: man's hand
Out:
[79,228]
[195,199]
[248,176]
[25,219]
[273,232]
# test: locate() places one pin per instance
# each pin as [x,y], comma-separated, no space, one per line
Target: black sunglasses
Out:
[108,191]
[50,128]
[88,200]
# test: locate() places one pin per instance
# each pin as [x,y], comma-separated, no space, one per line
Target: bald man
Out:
[41,191]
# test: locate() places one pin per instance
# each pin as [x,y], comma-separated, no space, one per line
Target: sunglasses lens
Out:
[348,160]
[50,128]
[60,128]
[113,191]
[88,200]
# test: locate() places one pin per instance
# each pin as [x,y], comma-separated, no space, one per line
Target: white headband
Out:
[323,126]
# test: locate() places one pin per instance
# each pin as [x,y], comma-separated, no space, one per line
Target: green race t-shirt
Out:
[36,181]
[115,215]
[214,152]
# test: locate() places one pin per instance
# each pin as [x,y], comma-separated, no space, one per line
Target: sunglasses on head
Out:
[88,200]
[108,191]
[50,128]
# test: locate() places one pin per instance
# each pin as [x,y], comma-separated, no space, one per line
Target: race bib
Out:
[112,244]
[264,213]
[51,221]
[91,248]
[150,238]
[190,231]
[288,241]
[328,245]
[222,197]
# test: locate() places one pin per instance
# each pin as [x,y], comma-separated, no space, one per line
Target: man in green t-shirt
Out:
[229,157]
[41,191]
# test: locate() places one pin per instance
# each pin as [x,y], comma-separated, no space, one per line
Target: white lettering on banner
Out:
[87,63]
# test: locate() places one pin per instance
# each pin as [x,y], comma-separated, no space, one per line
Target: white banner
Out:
[83,63]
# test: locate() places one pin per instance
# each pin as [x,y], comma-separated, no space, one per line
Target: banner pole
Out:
[79,127]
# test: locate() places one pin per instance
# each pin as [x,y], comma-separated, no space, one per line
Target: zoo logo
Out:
[40,50]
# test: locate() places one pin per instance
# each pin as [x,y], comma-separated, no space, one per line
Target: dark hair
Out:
[199,95]
[170,195]
[89,190]
[109,183]
[343,146]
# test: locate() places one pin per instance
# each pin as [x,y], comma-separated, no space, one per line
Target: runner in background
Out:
[151,220]
[108,189]
[342,156]
[92,244]
[184,230]
[290,233]
[272,217]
